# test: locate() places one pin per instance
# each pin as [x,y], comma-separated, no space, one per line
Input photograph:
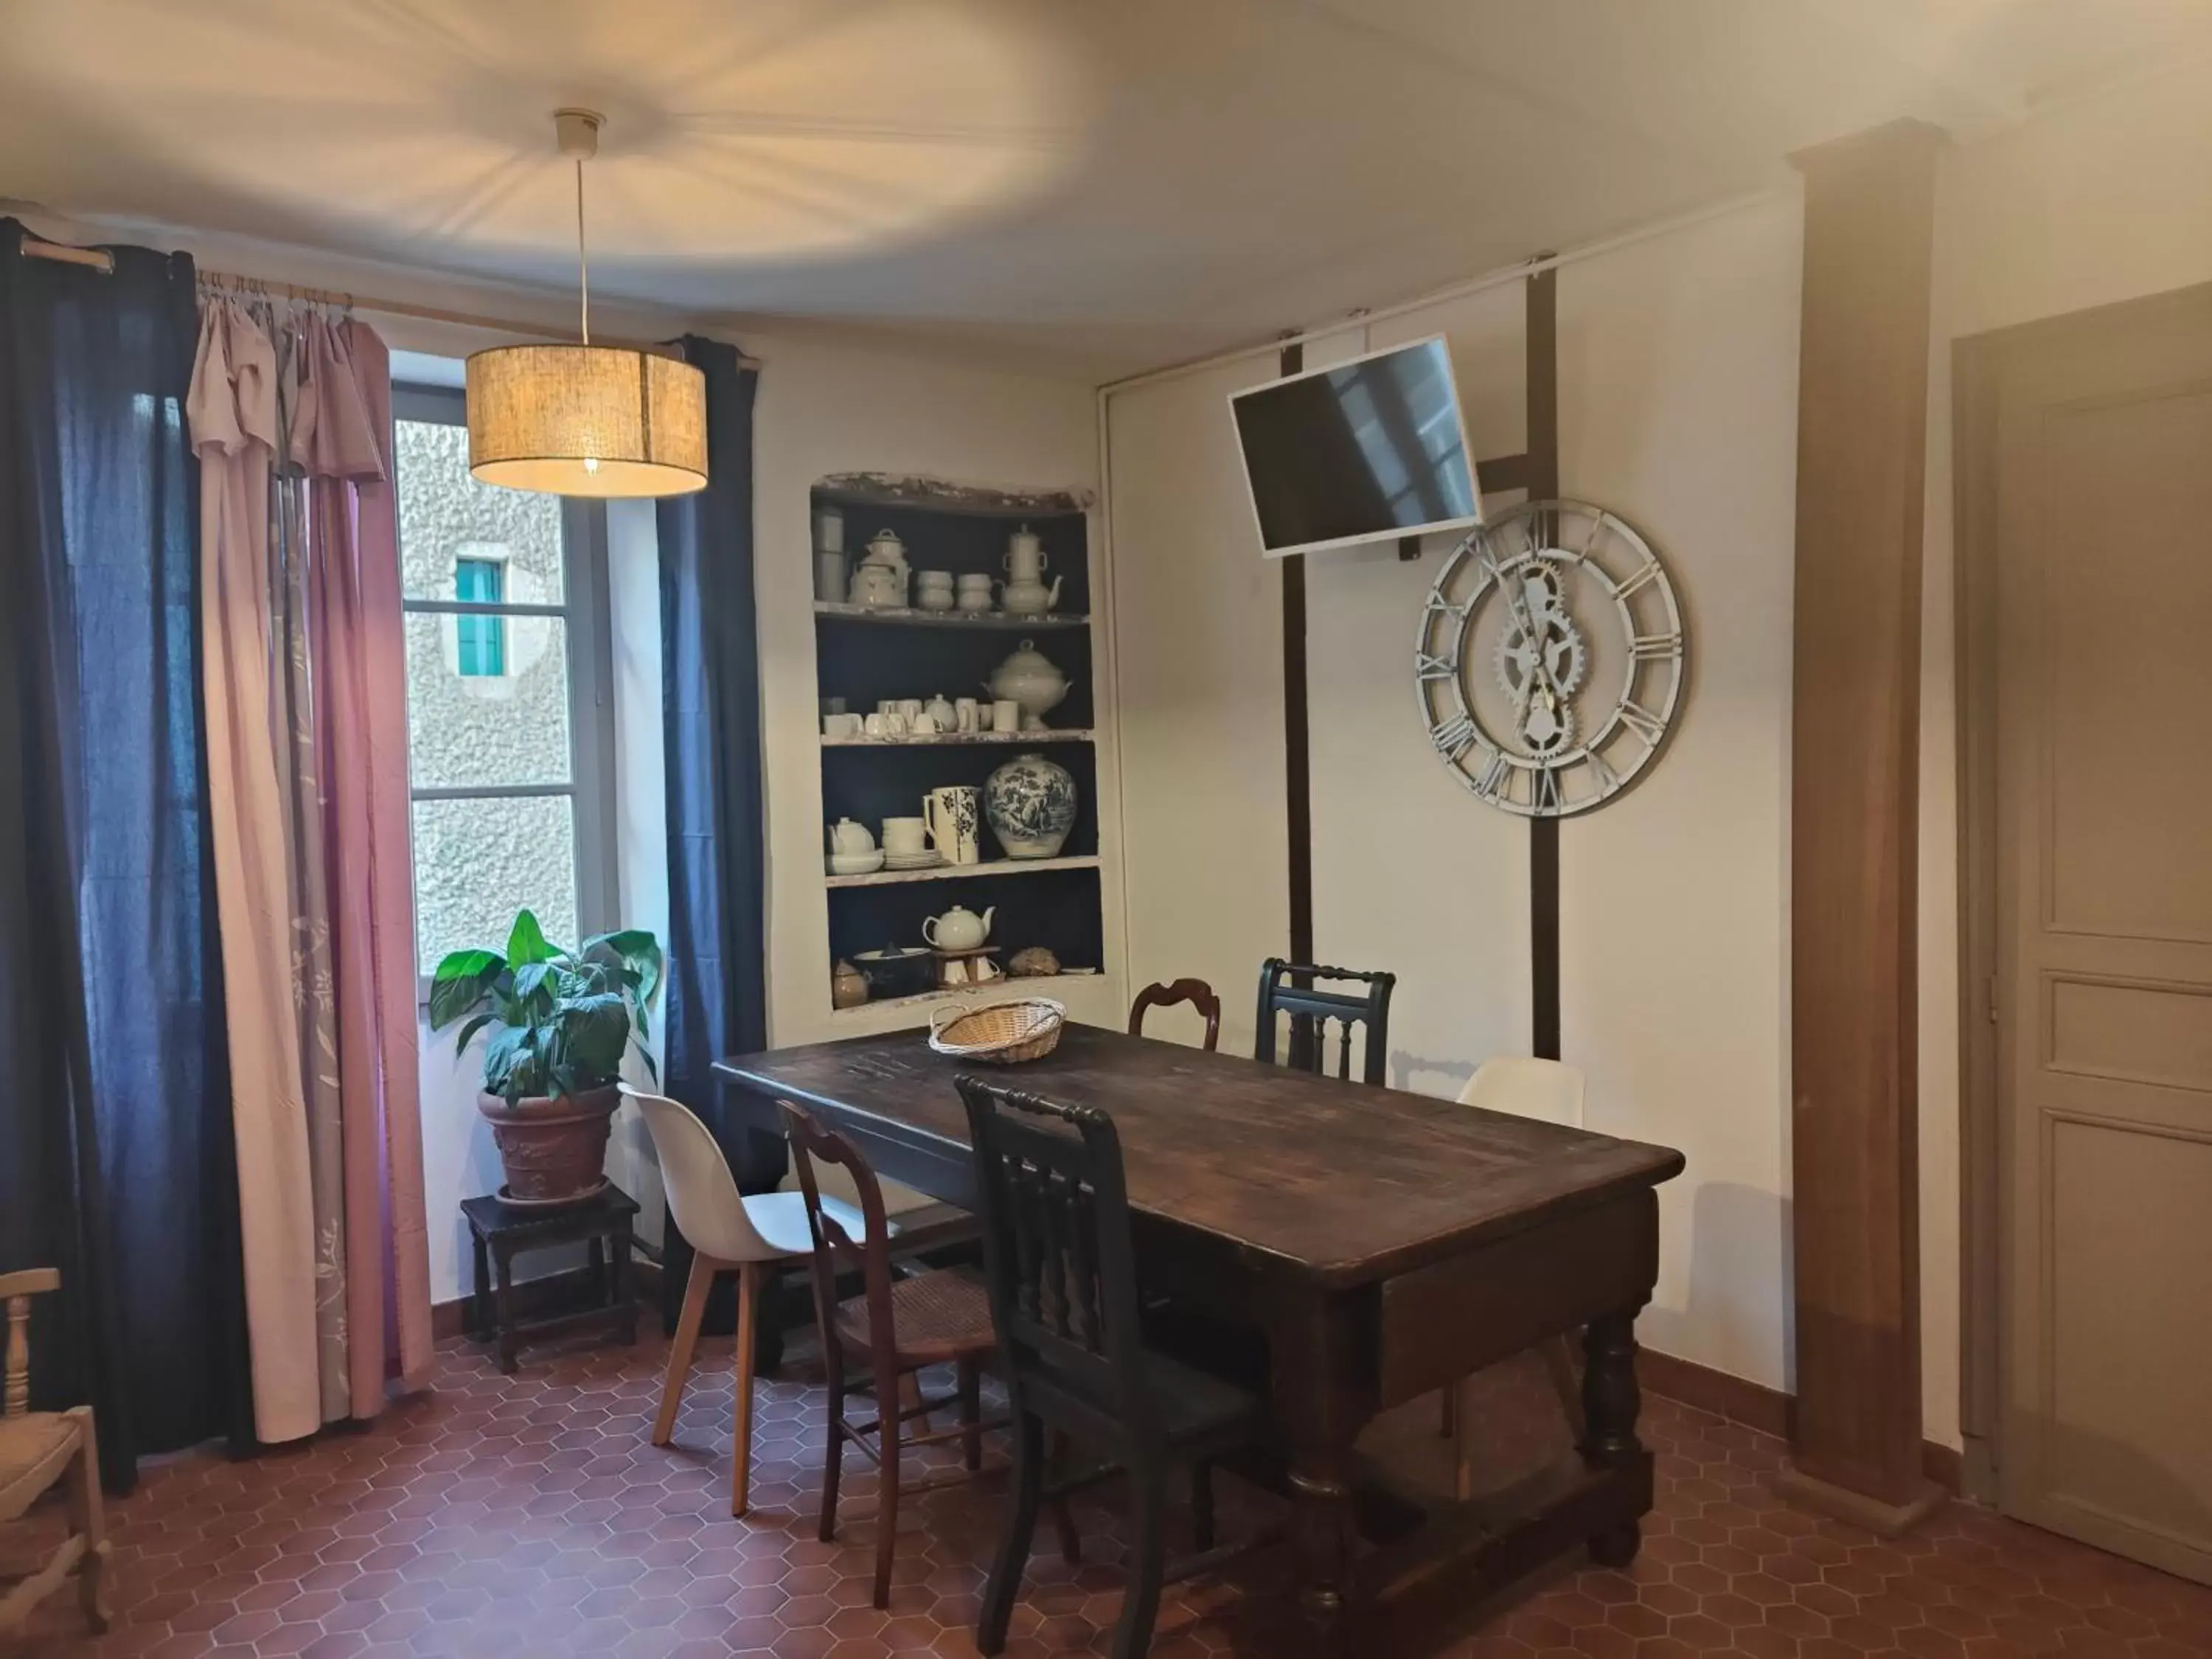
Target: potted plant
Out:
[560,1023]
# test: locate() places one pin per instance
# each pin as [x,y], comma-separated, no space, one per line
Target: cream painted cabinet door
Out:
[2104,599]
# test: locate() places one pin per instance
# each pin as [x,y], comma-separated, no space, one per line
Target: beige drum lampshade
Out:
[587,419]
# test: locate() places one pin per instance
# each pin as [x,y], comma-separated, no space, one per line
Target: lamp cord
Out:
[583,267]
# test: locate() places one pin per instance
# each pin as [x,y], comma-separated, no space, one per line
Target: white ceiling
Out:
[1109,183]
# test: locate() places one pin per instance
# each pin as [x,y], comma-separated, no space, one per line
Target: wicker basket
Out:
[1000,1034]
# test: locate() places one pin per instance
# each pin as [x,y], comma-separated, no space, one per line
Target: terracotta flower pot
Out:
[554,1146]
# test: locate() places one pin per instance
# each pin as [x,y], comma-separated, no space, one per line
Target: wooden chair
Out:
[1196,992]
[40,1450]
[874,1342]
[750,1236]
[1289,988]
[1063,1283]
[1553,1093]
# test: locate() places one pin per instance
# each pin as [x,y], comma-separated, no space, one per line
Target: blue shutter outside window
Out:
[482,640]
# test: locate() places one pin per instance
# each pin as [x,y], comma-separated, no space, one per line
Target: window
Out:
[481,640]
[509,735]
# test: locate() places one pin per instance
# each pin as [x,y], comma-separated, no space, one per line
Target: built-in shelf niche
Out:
[865,655]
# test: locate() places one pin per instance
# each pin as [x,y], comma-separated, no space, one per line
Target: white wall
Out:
[1678,388]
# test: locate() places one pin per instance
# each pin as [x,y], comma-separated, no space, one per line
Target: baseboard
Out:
[541,1298]
[1755,1405]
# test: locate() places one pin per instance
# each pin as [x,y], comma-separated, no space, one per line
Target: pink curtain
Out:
[234,409]
[306,694]
[341,438]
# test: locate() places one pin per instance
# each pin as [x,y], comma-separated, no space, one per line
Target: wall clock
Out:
[1550,659]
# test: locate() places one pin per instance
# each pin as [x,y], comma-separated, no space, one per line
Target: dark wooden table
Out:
[1386,1243]
[506,1231]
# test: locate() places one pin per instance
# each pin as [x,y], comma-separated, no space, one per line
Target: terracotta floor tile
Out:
[497,1516]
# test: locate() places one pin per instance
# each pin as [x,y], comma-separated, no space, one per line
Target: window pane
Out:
[477,862]
[487,707]
[447,520]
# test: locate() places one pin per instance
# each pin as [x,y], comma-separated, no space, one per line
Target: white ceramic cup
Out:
[1005,716]
[903,835]
[897,725]
[877,725]
[966,714]
[888,706]
[923,724]
[909,706]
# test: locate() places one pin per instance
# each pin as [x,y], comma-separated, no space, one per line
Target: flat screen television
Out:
[1365,450]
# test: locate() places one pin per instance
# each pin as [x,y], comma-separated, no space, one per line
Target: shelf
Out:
[987,621]
[901,494]
[997,990]
[939,739]
[962,871]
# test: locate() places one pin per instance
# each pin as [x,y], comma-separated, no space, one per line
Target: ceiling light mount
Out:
[585,419]
[576,131]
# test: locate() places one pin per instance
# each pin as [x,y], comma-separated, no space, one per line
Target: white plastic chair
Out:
[1552,1092]
[729,1232]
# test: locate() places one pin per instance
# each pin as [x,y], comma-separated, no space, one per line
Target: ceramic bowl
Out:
[856,863]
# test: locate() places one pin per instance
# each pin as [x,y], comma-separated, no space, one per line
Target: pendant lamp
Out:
[585,419]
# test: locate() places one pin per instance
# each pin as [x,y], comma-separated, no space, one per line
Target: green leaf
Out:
[532,977]
[461,1042]
[651,1070]
[526,943]
[635,949]
[461,982]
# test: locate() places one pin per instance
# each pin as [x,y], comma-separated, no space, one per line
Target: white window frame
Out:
[585,609]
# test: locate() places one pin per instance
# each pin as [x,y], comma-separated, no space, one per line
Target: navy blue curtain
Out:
[116,1159]
[717,1001]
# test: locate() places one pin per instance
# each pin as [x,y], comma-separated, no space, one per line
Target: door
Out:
[2103,595]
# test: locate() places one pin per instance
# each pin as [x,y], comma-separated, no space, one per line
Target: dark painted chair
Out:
[1196,992]
[1297,989]
[1062,1275]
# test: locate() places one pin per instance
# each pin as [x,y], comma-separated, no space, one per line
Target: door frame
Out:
[1979,365]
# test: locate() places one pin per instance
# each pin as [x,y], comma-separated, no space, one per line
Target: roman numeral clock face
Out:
[1550,659]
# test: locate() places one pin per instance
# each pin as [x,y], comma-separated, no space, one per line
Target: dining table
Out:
[1383,1244]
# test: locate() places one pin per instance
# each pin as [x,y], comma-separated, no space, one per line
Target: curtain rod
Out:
[100,259]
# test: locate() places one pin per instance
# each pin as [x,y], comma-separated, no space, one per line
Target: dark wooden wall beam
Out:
[1541,478]
[1861,448]
[1298,756]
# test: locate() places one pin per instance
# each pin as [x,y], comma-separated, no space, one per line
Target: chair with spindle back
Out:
[1062,1272]
[892,1330]
[1289,988]
[40,1450]
[1196,992]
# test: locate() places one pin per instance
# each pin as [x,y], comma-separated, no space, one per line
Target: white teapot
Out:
[884,548]
[1024,592]
[851,838]
[959,928]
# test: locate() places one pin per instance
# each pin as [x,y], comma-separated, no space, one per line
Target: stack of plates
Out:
[928,858]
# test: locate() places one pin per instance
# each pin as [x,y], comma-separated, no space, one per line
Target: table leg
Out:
[1324,1395]
[1611,1400]
[596,1256]
[503,1264]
